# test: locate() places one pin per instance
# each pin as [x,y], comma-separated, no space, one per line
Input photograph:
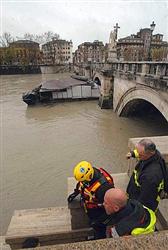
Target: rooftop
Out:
[24,41]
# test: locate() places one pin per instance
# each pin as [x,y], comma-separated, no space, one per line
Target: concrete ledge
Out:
[44,225]
[155,241]
[3,245]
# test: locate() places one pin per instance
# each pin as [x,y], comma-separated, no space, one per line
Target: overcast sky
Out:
[83,20]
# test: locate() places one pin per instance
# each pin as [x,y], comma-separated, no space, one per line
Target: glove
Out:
[128,155]
[72,196]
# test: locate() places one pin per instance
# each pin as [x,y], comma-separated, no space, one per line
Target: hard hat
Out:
[83,171]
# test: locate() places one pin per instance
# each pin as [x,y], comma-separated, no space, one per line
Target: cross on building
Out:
[116,27]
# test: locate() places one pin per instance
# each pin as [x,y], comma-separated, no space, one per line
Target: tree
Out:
[42,38]
[29,36]
[49,35]
[5,39]
[9,56]
[159,54]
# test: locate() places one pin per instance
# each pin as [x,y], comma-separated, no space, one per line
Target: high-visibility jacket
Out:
[160,186]
[101,181]
[150,228]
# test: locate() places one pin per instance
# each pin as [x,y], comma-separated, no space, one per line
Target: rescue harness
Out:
[88,192]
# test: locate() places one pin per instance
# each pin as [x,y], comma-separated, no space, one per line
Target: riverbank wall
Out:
[19,69]
[34,69]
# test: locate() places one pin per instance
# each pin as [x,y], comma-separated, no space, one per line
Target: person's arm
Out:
[72,196]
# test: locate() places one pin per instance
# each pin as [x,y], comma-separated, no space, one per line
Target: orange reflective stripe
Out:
[96,186]
[92,186]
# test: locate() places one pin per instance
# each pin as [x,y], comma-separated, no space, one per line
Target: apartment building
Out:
[142,46]
[90,52]
[57,51]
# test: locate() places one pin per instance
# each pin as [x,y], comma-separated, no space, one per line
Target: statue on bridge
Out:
[112,46]
[112,40]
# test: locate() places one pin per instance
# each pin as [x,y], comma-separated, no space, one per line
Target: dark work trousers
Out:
[94,215]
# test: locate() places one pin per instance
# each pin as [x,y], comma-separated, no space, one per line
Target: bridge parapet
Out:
[148,80]
[144,67]
[157,69]
[152,68]
[131,88]
[152,74]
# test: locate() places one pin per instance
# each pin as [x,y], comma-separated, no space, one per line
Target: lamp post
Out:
[152,27]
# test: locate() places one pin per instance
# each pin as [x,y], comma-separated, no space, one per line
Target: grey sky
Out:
[82,20]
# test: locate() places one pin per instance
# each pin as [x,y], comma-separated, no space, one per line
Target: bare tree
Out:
[42,38]
[5,39]
[49,35]
[29,36]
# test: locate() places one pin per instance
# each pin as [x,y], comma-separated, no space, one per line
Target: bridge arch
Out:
[137,95]
[98,79]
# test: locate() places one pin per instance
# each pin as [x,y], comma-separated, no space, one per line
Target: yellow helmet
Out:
[83,171]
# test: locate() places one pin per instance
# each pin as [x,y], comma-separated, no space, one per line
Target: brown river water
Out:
[40,145]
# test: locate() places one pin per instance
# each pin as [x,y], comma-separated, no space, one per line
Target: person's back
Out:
[104,183]
[98,187]
[147,180]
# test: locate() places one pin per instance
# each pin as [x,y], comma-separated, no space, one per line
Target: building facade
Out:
[57,51]
[88,52]
[144,46]
[21,52]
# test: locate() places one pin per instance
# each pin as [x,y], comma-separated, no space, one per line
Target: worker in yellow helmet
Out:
[92,183]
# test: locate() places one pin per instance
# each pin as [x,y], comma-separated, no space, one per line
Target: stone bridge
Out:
[130,86]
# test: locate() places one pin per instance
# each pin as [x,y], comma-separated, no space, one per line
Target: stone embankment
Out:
[24,69]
